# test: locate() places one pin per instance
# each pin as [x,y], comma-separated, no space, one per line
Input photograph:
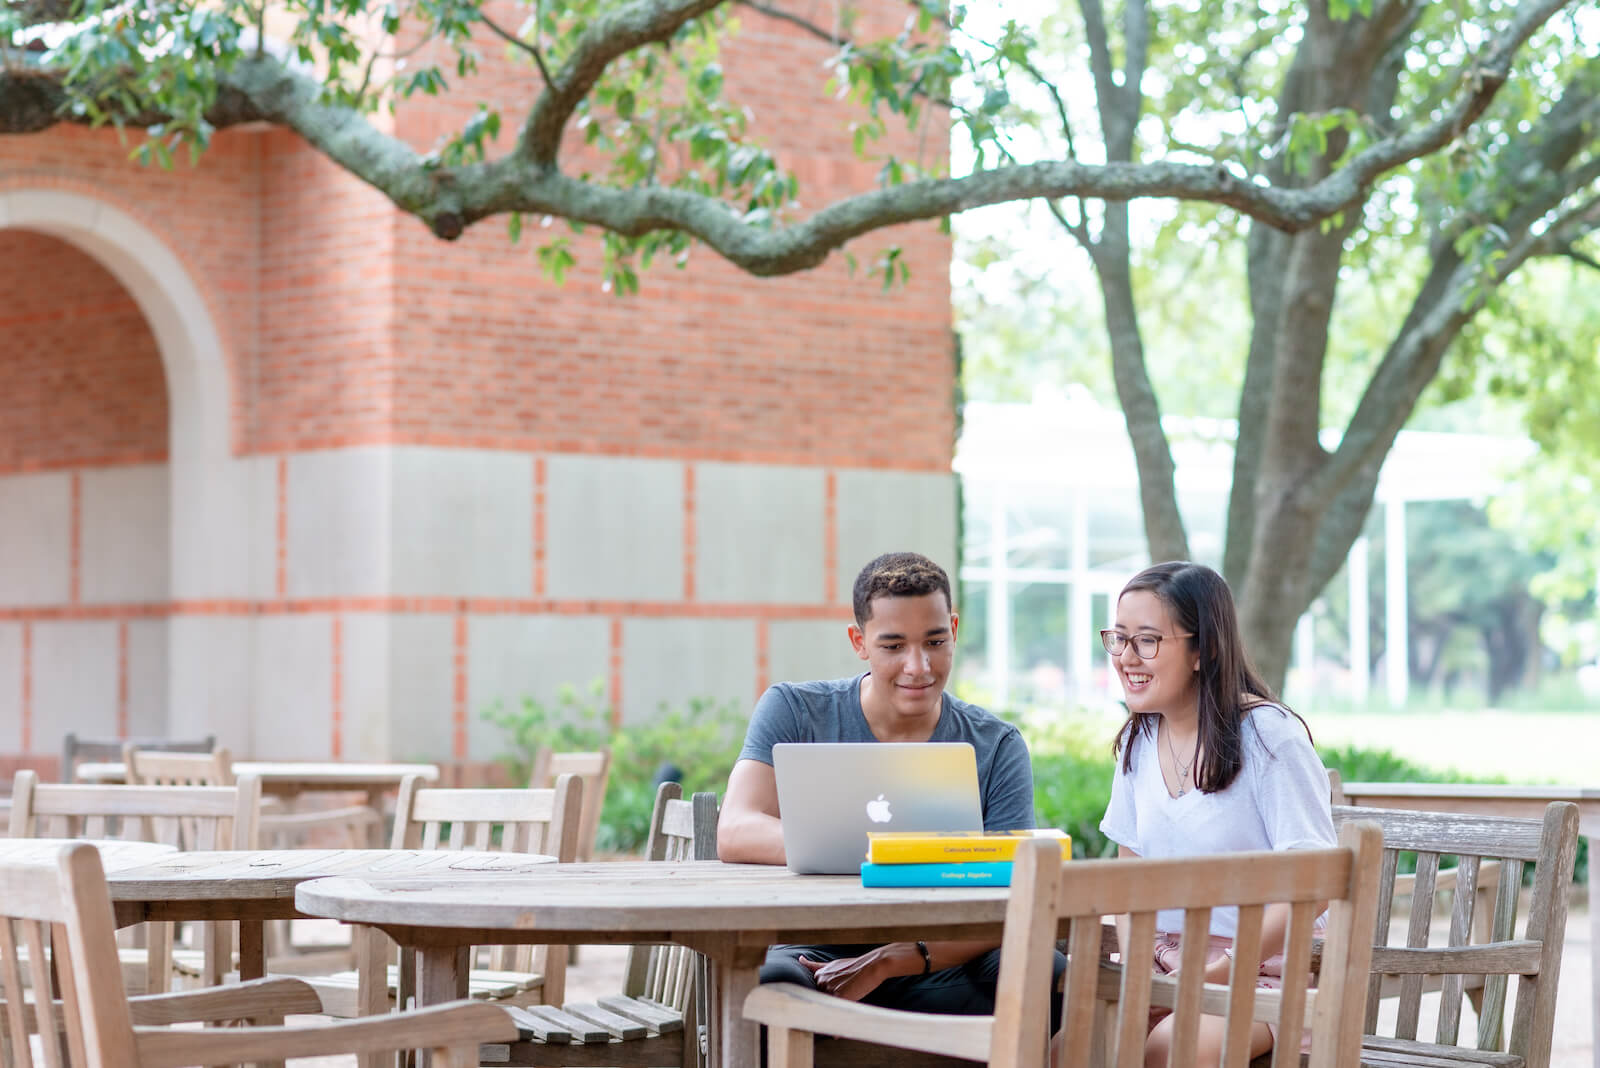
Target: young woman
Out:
[1208,762]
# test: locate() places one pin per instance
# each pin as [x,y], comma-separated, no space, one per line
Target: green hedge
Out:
[701,740]
[1072,762]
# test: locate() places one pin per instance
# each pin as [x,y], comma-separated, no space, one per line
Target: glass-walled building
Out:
[1052,528]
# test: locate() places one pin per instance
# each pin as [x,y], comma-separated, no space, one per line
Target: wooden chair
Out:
[594,770]
[521,821]
[75,750]
[1105,1008]
[657,1020]
[188,817]
[348,827]
[62,916]
[1529,951]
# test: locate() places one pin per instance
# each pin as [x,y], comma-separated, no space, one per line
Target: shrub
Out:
[1072,772]
[696,745]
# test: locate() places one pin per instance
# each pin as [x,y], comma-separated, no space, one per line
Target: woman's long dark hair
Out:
[1202,605]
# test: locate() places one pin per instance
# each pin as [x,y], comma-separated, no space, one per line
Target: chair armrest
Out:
[1517,957]
[799,1008]
[1213,996]
[1214,999]
[276,996]
[459,1023]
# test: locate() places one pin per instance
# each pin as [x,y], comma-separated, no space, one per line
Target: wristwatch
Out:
[927,958]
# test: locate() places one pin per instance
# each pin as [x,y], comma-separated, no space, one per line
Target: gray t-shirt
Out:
[830,711]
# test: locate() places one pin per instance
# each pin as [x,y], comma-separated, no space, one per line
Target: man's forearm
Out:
[941,955]
[752,838]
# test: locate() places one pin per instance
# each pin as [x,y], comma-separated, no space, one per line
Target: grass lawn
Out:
[1531,747]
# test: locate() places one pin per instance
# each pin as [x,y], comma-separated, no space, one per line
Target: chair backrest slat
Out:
[1241,987]
[14,1031]
[1462,908]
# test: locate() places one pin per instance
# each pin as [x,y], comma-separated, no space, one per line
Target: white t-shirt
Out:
[1278,801]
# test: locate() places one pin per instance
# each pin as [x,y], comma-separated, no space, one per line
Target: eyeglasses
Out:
[1145,646]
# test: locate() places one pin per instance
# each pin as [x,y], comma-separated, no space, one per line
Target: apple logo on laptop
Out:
[878,810]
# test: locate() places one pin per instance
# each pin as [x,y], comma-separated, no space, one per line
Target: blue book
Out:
[958,873]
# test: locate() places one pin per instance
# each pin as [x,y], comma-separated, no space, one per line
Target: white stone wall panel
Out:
[294,687]
[893,511]
[513,657]
[614,528]
[677,660]
[126,545]
[339,524]
[74,681]
[759,534]
[35,539]
[462,523]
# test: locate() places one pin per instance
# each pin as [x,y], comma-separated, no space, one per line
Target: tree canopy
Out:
[1433,150]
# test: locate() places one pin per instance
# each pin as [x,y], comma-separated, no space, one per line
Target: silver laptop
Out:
[830,794]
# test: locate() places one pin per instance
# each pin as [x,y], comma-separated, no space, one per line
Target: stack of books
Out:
[948,858]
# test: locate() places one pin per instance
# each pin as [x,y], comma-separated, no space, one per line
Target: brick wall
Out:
[709,363]
[81,383]
[405,415]
[208,215]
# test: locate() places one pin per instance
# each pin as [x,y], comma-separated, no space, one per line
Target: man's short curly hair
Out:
[898,575]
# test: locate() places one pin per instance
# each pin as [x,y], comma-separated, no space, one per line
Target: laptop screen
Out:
[830,794]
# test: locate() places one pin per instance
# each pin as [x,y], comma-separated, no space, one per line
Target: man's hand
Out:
[854,978]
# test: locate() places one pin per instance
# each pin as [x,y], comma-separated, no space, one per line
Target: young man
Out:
[905,629]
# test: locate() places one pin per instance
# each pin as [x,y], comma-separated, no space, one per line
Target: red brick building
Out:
[276,463]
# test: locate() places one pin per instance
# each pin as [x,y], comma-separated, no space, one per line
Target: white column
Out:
[1080,621]
[999,601]
[1305,651]
[1397,653]
[1360,622]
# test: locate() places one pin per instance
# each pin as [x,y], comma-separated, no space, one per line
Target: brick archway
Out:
[209,502]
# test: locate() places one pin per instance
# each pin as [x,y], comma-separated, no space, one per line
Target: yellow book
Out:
[930,847]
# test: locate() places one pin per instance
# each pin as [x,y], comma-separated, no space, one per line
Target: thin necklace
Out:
[1180,766]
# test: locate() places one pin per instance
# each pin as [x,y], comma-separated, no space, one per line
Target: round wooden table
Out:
[114,855]
[729,912]
[253,886]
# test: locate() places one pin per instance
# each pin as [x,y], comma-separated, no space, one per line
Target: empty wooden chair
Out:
[593,768]
[1528,950]
[1106,1008]
[61,916]
[346,827]
[656,1020]
[188,817]
[76,750]
[520,821]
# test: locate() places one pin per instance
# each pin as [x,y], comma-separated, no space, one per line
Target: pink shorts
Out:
[1167,955]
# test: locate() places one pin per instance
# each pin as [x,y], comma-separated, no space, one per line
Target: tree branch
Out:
[449,199]
[517,42]
[616,32]
[36,12]
[795,20]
